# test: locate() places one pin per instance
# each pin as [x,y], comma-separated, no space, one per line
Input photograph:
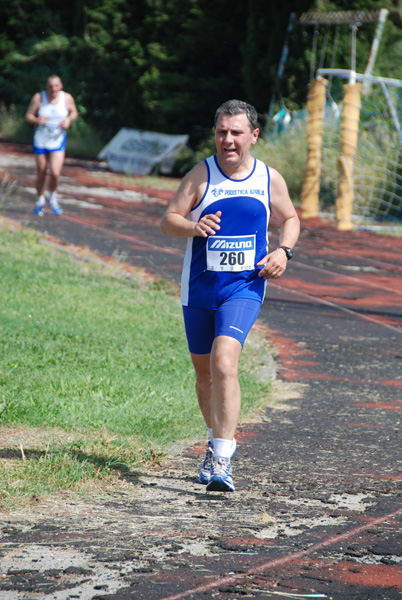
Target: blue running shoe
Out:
[221,476]
[39,206]
[205,472]
[56,210]
[38,210]
[51,201]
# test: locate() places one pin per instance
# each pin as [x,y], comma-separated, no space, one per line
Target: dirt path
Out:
[317,508]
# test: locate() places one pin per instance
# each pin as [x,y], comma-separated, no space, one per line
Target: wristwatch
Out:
[288,251]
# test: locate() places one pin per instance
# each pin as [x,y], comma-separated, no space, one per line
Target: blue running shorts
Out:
[233,318]
[37,150]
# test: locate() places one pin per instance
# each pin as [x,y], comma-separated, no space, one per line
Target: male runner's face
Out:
[53,87]
[233,139]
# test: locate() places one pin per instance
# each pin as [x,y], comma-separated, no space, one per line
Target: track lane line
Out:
[123,236]
[277,562]
[361,281]
[275,285]
[336,306]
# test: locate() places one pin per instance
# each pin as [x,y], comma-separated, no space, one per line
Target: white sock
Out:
[40,200]
[211,435]
[52,198]
[223,448]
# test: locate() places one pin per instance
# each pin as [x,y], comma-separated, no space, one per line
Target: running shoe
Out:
[205,472]
[38,210]
[55,209]
[221,476]
[39,206]
[54,205]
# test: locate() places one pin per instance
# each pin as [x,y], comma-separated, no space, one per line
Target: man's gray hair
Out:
[238,107]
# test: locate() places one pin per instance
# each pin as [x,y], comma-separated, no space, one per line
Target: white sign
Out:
[138,152]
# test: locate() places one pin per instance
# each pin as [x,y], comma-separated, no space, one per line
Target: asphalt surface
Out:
[317,509]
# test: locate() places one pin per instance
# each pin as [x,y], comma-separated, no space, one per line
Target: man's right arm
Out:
[191,190]
[31,114]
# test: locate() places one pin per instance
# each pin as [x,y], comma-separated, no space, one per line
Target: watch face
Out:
[289,253]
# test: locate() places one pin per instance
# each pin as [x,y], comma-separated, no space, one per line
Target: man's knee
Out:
[224,368]
[41,166]
[202,369]
[55,170]
[54,176]
[56,164]
[225,360]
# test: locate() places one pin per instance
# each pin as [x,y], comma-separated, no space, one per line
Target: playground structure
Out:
[365,178]
[362,167]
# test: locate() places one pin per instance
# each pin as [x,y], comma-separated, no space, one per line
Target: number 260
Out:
[232,258]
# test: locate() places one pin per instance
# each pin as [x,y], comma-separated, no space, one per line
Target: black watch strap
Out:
[288,251]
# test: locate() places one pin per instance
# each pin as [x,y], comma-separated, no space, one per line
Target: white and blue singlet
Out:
[50,137]
[221,292]
[224,265]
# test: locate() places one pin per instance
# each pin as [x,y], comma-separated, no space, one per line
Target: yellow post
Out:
[349,135]
[316,99]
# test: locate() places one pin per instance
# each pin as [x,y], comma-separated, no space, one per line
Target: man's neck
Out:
[53,99]
[237,171]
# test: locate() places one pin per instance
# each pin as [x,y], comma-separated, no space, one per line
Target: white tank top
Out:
[51,136]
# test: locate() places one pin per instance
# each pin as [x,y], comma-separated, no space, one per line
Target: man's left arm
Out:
[283,211]
[72,112]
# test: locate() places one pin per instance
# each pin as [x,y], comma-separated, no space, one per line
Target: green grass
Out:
[287,154]
[44,473]
[95,375]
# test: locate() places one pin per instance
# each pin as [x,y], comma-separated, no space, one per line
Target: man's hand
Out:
[275,264]
[65,123]
[208,225]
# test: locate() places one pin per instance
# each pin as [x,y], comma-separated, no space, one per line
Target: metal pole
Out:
[282,62]
[352,78]
[374,47]
[345,74]
[392,110]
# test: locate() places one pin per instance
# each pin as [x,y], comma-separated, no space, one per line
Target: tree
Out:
[166,65]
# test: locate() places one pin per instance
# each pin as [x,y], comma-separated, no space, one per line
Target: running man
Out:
[223,207]
[52,112]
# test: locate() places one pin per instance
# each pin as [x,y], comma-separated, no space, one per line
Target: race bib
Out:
[231,253]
